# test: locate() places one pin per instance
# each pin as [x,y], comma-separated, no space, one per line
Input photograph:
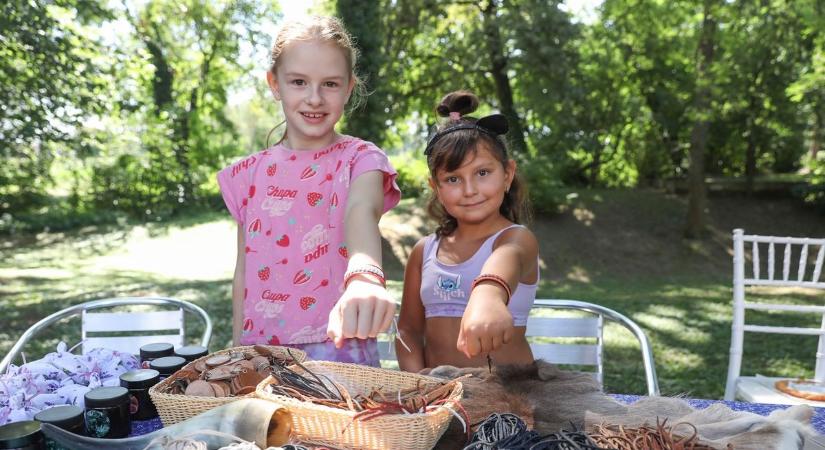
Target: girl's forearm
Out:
[361,231]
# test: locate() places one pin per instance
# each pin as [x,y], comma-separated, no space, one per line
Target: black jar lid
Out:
[106,396]
[139,379]
[63,416]
[156,350]
[20,434]
[168,364]
[191,352]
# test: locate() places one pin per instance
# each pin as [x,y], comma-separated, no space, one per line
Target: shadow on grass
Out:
[688,325]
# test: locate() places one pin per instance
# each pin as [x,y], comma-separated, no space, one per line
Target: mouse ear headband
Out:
[493,125]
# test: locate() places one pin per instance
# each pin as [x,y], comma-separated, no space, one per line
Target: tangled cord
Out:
[660,437]
[508,431]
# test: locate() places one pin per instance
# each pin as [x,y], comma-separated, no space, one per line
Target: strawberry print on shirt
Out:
[291,205]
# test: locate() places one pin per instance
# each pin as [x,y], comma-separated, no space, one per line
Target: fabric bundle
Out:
[59,378]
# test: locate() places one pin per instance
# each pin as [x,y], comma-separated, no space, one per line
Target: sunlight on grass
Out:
[201,252]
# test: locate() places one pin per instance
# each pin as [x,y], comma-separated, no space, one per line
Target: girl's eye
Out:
[331,84]
[298,82]
[484,172]
[451,179]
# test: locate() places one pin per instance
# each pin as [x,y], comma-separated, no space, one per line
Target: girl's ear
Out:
[272,81]
[351,86]
[433,186]
[509,173]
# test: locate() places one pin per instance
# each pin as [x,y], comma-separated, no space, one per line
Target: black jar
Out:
[67,417]
[107,412]
[138,383]
[24,435]
[167,365]
[150,352]
[191,352]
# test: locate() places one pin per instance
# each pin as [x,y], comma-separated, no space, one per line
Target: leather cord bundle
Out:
[660,437]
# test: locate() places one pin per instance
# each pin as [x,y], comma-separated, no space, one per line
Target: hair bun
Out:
[462,102]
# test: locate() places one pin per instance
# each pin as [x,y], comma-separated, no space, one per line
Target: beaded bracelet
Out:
[495,279]
[366,269]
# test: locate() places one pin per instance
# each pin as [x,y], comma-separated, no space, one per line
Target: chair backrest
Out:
[131,328]
[116,322]
[576,353]
[800,261]
[589,329]
[567,340]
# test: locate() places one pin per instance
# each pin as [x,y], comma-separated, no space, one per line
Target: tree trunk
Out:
[498,69]
[363,20]
[162,81]
[817,132]
[698,137]
[750,156]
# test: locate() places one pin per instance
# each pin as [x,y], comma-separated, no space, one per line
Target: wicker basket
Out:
[174,408]
[333,427]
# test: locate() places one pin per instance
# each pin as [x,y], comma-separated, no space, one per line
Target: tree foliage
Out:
[128,107]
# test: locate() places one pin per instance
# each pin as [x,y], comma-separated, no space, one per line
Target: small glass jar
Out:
[107,412]
[67,417]
[138,383]
[191,352]
[24,435]
[150,352]
[167,365]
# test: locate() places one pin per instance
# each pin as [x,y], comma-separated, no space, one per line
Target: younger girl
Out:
[469,287]
[309,252]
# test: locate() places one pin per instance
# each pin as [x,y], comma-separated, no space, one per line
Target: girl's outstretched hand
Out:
[486,325]
[365,309]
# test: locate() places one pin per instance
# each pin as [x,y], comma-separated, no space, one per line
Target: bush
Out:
[813,193]
[412,175]
[544,184]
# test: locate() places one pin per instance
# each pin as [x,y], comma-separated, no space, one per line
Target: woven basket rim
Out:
[455,395]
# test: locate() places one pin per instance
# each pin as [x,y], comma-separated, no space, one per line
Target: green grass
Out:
[621,249]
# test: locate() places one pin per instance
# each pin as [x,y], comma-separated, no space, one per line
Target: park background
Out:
[646,130]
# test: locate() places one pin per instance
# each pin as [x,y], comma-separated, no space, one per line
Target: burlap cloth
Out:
[550,399]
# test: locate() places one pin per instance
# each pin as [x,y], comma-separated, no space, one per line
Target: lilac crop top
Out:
[445,288]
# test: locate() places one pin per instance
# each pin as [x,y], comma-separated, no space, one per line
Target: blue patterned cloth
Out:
[763,409]
[140,427]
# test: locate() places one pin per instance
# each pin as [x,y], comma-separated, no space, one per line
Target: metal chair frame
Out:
[81,308]
[585,354]
[566,327]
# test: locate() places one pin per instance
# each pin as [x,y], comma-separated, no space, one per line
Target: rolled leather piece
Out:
[251,419]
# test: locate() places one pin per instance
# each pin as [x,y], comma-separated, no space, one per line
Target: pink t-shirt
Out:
[291,204]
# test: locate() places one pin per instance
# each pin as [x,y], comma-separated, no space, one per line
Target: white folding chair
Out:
[803,272]
[578,353]
[132,329]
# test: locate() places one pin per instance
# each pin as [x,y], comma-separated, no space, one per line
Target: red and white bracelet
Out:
[366,269]
[495,279]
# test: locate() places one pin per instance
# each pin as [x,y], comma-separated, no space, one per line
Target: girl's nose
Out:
[314,97]
[470,188]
